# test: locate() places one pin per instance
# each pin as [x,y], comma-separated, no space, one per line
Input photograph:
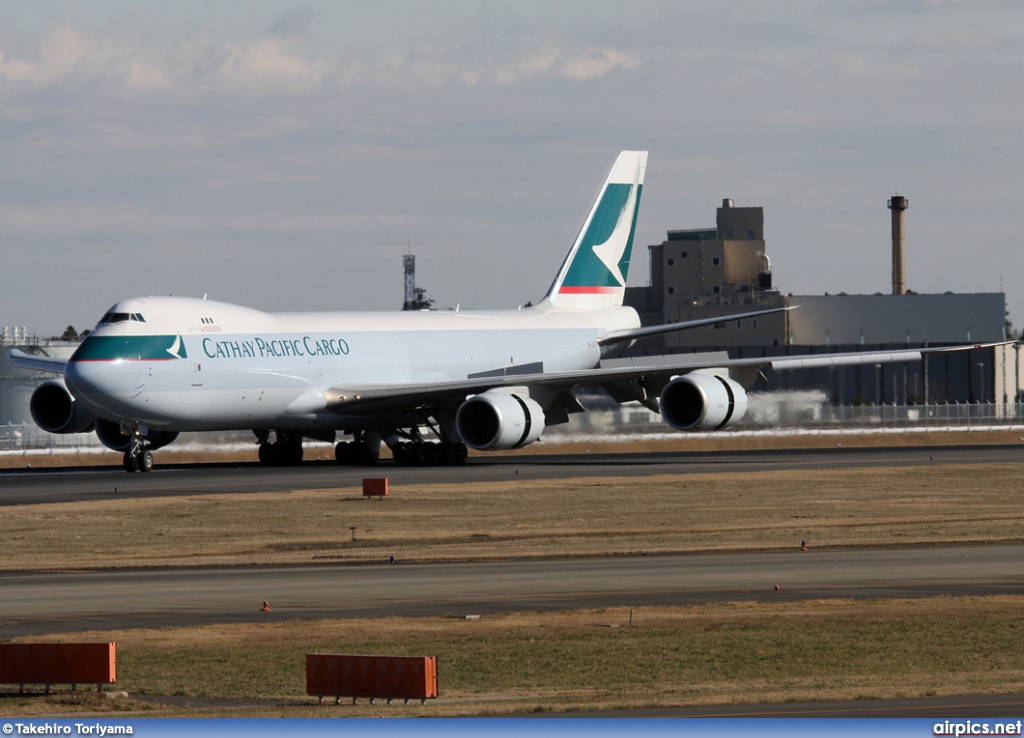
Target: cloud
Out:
[77,221]
[270,64]
[546,59]
[16,69]
[347,128]
[266,60]
[259,65]
[593,63]
[961,40]
[65,48]
[293,22]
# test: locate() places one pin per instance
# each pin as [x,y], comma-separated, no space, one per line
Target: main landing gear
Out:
[410,448]
[363,450]
[428,453]
[285,451]
[354,453]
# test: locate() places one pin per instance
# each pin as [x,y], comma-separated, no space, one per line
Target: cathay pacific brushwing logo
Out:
[602,259]
[610,252]
[177,350]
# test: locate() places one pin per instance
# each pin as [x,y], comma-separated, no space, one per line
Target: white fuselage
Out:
[183,364]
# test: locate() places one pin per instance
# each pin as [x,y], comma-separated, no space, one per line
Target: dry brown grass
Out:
[595,659]
[528,518]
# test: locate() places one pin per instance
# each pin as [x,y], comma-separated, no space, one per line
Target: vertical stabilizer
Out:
[594,273]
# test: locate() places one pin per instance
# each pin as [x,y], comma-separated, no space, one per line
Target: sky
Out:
[285,156]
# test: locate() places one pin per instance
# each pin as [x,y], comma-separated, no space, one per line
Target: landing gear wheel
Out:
[343,453]
[354,453]
[145,461]
[292,454]
[363,455]
[281,453]
[417,455]
[456,453]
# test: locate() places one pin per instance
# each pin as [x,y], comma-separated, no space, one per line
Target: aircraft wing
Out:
[657,330]
[648,373]
[51,364]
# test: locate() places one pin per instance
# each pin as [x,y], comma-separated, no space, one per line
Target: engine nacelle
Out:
[495,421]
[55,411]
[109,433]
[701,402]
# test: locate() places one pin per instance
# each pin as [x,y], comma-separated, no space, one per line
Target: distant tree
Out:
[419,302]
[69,334]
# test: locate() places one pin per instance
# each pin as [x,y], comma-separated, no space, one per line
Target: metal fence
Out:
[956,415]
[769,413]
[774,413]
[32,438]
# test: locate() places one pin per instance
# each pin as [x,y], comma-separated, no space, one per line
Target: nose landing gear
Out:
[142,462]
[138,457]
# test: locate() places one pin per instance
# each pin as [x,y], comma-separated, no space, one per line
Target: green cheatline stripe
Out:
[108,348]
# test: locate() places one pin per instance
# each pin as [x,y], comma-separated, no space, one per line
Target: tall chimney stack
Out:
[409,269]
[897,205]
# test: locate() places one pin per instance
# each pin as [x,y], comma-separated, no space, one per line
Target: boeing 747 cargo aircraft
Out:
[489,380]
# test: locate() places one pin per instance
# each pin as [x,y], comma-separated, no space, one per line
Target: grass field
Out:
[515,662]
[527,518]
[592,659]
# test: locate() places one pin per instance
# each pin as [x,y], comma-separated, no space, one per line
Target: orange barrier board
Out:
[386,677]
[375,487]
[58,663]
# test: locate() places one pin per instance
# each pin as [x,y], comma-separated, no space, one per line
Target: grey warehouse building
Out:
[722,271]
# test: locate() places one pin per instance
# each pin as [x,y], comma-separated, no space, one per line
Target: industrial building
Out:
[17,385]
[725,270]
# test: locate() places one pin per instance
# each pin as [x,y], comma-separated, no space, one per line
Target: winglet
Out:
[593,275]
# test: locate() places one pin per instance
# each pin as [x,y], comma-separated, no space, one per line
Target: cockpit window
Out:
[115,318]
[137,317]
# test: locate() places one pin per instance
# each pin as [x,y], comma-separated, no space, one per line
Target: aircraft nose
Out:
[103,386]
[79,379]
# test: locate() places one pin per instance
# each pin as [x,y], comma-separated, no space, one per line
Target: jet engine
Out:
[702,402]
[55,411]
[495,421]
[109,433]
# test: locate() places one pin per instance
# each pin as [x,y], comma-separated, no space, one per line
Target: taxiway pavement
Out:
[63,601]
